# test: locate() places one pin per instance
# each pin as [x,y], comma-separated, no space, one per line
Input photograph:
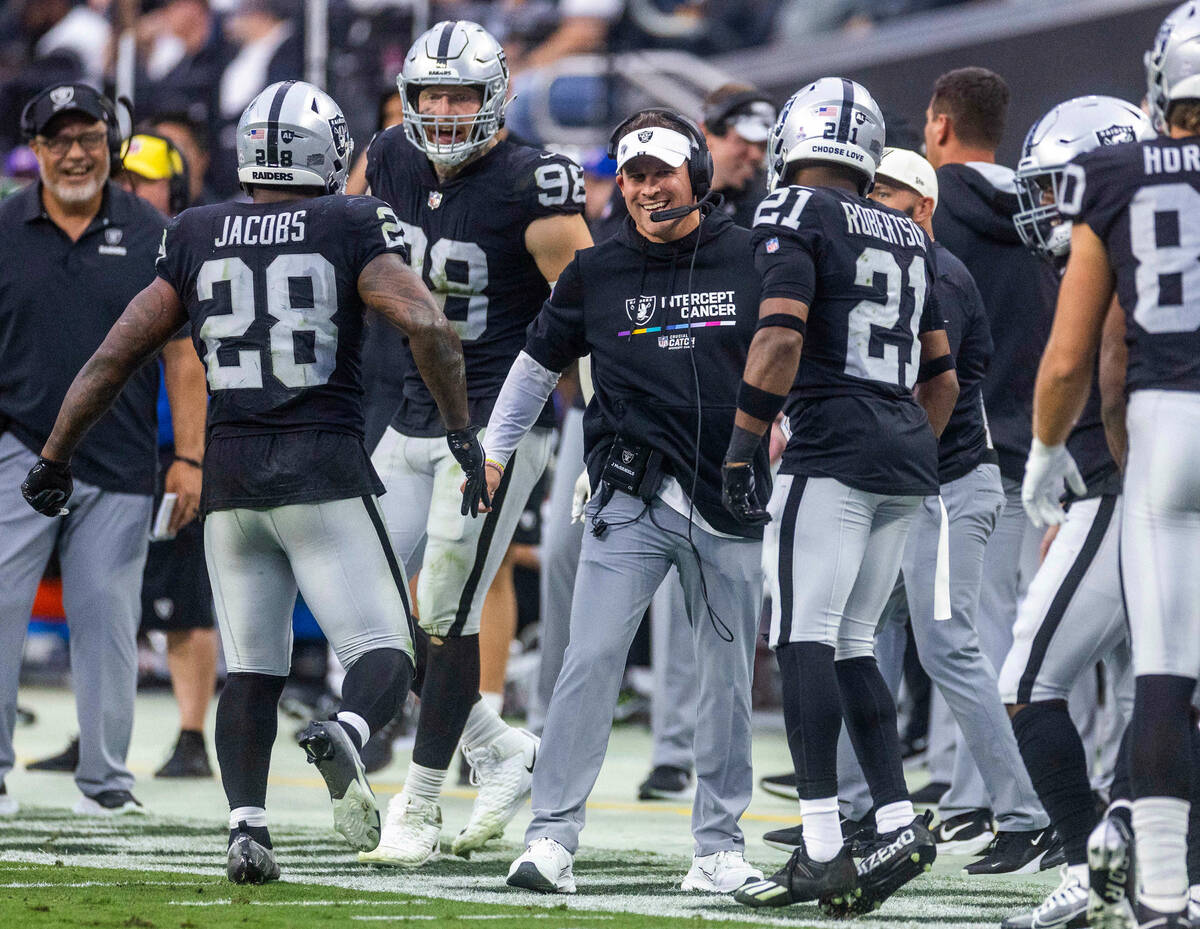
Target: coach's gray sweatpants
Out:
[618,575]
[102,550]
[672,655]
[950,653]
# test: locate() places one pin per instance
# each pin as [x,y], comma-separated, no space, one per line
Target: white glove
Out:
[1045,470]
[583,493]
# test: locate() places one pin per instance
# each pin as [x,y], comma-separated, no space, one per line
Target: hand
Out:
[48,487]
[1045,470]
[467,451]
[579,500]
[184,480]
[1047,541]
[738,496]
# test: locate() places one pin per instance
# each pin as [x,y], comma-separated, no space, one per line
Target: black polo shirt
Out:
[58,300]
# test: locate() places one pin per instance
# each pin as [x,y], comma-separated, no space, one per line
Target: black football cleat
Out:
[248,862]
[66,761]
[666,783]
[858,834]
[1112,875]
[780,785]
[899,857]
[802,879]
[1014,852]
[189,758]
[355,813]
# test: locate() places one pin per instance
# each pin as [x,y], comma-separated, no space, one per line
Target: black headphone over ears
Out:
[111,122]
[700,163]
[717,116]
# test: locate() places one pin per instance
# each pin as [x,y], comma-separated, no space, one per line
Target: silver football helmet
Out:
[451,52]
[294,134]
[831,121]
[1071,128]
[1173,64]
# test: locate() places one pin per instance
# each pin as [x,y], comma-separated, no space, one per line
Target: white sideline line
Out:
[292,902]
[20,884]
[490,916]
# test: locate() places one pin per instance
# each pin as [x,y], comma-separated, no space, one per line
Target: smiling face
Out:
[649,185]
[449,100]
[72,156]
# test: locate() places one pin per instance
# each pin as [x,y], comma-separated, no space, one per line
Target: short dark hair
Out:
[850,174]
[976,100]
[1185,115]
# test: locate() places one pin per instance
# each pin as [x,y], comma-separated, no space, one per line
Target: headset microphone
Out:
[678,212]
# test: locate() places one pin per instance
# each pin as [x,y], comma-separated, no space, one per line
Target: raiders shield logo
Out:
[341,135]
[1115,135]
[640,310]
[645,135]
[113,236]
[61,96]
[627,456]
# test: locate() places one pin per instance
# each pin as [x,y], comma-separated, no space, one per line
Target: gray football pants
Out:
[950,653]
[102,550]
[618,575]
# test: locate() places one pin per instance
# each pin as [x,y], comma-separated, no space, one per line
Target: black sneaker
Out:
[967,833]
[931,793]
[1056,854]
[1013,853]
[900,856]
[108,803]
[780,785]
[666,783]
[1153,919]
[858,834]
[830,882]
[355,813]
[189,758]
[1112,874]
[67,760]
[247,861]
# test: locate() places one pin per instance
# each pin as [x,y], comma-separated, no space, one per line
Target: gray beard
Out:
[73,194]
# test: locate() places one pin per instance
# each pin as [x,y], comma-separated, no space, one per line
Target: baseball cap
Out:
[64,98]
[753,121]
[908,168]
[150,156]
[667,145]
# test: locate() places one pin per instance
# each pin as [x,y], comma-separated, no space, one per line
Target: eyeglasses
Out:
[92,141]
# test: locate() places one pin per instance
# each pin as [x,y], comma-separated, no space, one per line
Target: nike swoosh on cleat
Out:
[529,767]
[948,834]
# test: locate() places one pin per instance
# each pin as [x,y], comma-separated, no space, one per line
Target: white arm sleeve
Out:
[585,378]
[521,399]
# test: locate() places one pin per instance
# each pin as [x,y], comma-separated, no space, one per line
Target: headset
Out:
[179,189]
[111,121]
[718,116]
[700,163]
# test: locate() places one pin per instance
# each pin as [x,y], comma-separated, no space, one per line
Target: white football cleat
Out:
[504,783]
[720,873]
[545,867]
[410,833]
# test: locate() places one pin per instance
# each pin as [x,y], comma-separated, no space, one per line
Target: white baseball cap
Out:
[910,169]
[668,146]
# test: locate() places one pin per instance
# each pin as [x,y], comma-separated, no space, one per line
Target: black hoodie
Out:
[974,221]
[645,312]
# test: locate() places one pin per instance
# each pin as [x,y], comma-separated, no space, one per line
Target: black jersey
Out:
[271,291]
[1143,200]
[468,244]
[865,272]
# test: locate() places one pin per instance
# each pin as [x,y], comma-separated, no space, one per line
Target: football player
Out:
[1073,614]
[275,290]
[491,224]
[847,280]
[1136,231]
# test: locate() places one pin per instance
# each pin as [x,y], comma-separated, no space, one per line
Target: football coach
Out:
[666,308]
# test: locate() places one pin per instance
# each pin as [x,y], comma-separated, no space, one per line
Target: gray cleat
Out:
[355,813]
[250,863]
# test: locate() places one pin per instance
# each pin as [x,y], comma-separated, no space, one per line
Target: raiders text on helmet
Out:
[831,121]
[1173,64]
[454,53]
[1071,128]
[295,135]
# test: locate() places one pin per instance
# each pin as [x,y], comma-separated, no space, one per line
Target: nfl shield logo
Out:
[435,199]
[772,245]
[664,341]
[113,236]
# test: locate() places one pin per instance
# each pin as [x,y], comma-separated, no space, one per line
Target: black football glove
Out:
[738,496]
[467,451]
[48,487]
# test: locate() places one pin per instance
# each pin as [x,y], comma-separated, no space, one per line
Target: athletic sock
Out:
[425,783]
[894,816]
[375,688]
[356,727]
[812,713]
[485,727]
[1053,754]
[252,821]
[1160,827]
[492,699]
[870,715]
[247,722]
[1193,832]
[822,828]
[450,690]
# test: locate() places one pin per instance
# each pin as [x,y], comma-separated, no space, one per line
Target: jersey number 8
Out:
[301,295]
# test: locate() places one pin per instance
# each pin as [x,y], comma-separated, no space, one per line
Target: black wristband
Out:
[931,369]
[759,403]
[189,461]
[783,321]
[743,444]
